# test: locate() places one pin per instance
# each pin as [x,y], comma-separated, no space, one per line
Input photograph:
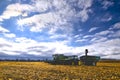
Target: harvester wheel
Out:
[94,63]
[72,63]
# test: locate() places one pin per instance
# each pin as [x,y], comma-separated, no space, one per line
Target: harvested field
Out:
[45,71]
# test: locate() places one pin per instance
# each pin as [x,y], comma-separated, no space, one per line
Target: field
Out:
[45,71]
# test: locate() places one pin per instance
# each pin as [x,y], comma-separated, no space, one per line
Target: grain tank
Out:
[89,60]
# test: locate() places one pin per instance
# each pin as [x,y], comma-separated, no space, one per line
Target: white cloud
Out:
[6,33]
[24,40]
[24,45]
[112,56]
[116,34]
[4,41]
[14,10]
[103,33]
[83,15]
[80,40]
[106,4]
[9,35]
[41,5]
[106,18]
[56,15]
[84,4]
[76,36]
[3,30]
[99,39]
[5,49]
[106,48]
[19,7]
[58,36]
[17,47]
[113,42]
[88,36]
[32,47]
[93,29]
[38,22]
[116,25]
[53,14]
[8,14]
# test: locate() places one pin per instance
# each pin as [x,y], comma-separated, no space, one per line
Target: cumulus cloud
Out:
[31,47]
[38,22]
[7,14]
[56,18]
[57,14]
[15,46]
[106,47]
[14,10]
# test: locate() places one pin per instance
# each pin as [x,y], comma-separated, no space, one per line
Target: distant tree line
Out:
[27,60]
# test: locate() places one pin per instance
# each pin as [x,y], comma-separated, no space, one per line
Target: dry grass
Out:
[45,71]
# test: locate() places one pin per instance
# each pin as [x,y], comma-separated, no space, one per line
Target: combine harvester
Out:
[61,59]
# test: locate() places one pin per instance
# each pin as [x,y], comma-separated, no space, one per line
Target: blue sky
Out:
[40,28]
